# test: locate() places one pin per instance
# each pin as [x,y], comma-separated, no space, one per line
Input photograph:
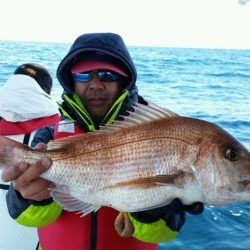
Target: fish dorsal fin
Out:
[154,111]
[141,114]
[70,203]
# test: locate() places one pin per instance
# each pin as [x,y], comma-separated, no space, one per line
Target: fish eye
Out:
[231,153]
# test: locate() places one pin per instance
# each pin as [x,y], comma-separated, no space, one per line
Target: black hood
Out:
[108,43]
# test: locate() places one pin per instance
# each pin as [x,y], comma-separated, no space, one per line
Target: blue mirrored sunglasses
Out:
[103,75]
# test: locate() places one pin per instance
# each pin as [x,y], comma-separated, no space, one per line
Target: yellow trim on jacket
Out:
[38,216]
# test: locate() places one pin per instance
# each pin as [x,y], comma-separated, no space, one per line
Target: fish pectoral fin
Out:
[72,204]
[146,182]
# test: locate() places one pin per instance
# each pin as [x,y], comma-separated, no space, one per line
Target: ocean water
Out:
[210,84]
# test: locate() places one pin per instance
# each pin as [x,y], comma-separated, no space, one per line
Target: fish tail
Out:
[7,147]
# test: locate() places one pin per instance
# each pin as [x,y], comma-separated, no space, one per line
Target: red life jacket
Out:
[17,128]
[72,232]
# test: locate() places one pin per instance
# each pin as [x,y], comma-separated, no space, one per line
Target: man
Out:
[25,106]
[98,77]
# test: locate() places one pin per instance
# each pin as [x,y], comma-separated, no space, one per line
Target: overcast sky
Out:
[169,23]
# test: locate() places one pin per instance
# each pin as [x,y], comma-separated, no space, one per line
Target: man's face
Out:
[98,96]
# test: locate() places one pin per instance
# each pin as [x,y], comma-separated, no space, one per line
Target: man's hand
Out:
[25,178]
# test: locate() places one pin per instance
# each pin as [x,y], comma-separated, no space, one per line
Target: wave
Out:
[228,74]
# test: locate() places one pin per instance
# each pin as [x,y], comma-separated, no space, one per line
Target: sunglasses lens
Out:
[82,77]
[103,75]
[108,76]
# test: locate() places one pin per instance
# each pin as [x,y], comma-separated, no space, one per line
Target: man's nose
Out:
[95,83]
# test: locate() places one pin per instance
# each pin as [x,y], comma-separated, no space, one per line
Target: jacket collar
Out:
[73,108]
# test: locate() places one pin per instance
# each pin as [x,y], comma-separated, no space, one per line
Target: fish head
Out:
[224,169]
[232,172]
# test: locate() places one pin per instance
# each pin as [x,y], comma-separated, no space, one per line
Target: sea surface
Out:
[210,84]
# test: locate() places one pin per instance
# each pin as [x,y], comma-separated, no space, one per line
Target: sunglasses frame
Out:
[104,73]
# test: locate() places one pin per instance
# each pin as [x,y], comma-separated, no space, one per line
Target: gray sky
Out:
[170,23]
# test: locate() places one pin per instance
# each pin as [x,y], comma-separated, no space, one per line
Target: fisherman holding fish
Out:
[98,77]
